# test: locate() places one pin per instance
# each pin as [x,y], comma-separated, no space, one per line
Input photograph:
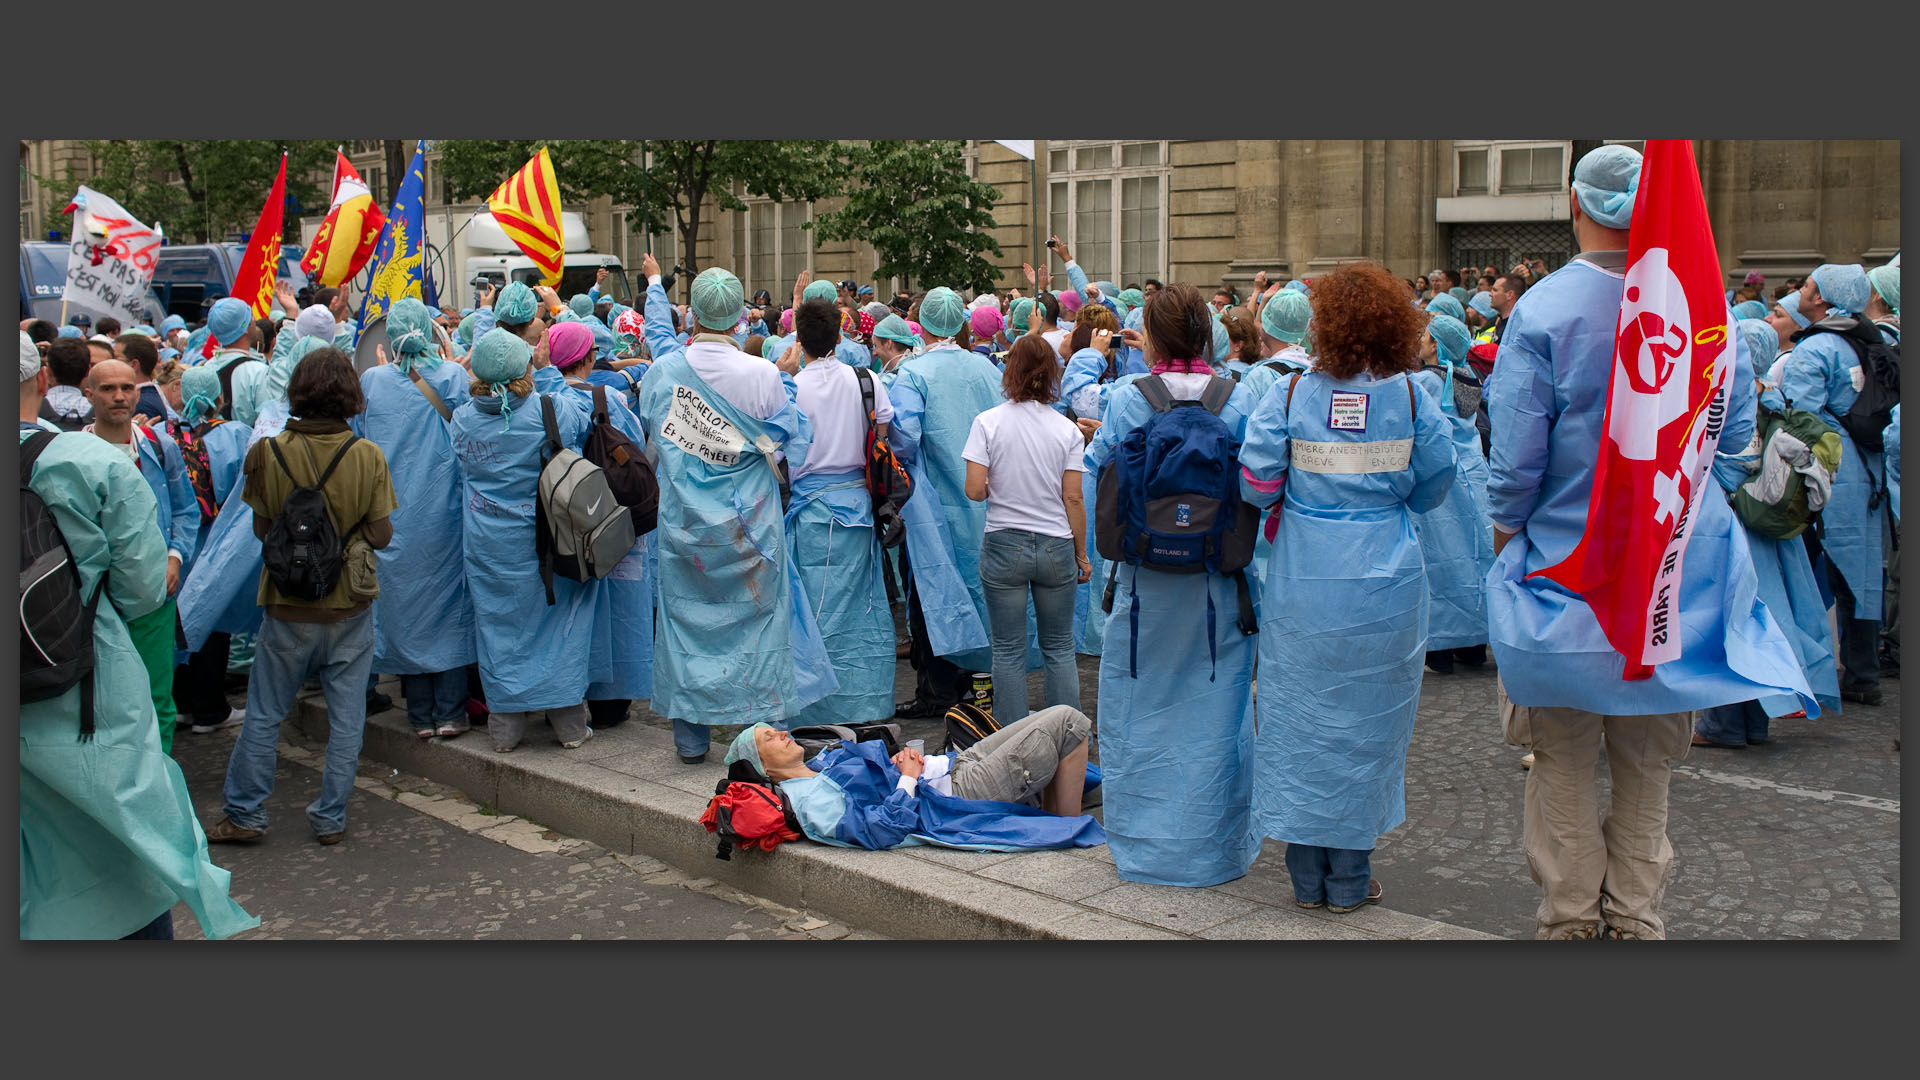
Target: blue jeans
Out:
[285,655]
[1737,724]
[691,740]
[1338,876]
[1013,564]
[436,699]
[160,929]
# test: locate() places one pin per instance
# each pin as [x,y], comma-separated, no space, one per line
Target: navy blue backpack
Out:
[1169,499]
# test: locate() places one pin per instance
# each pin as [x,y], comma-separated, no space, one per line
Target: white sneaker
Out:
[235,717]
[577,743]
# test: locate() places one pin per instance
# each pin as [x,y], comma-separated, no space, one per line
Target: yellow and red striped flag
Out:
[527,209]
[347,238]
[253,281]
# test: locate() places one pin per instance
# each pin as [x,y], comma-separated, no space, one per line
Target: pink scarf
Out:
[1194,366]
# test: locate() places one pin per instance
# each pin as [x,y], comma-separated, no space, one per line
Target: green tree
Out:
[675,189]
[201,190]
[913,202]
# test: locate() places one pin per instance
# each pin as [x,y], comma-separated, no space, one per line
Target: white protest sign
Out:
[697,429]
[110,260]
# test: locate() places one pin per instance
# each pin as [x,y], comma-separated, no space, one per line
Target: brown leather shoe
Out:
[226,832]
[332,838]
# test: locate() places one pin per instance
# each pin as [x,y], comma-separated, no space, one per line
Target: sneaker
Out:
[226,832]
[1309,904]
[425,732]
[579,742]
[1868,696]
[1527,762]
[693,759]
[332,838]
[234,718]
[1374,893]
[450,730]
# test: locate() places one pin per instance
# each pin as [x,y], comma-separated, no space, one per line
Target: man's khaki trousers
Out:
[1595,869]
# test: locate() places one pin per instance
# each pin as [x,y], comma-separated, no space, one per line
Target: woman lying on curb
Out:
[853,795]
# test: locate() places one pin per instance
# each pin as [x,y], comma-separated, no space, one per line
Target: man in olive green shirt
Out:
[331,637]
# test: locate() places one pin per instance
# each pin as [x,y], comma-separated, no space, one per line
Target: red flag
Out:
[345,242]
[1665,406]
[253,282]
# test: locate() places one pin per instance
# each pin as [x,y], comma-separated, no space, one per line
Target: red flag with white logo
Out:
[1666,404]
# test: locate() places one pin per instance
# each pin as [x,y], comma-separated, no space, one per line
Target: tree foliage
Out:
[222,182]
[683,174]
[926,220]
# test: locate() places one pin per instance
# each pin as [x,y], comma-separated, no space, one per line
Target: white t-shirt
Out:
[1053,338]
[749,383]
[828,391]
[1026,446]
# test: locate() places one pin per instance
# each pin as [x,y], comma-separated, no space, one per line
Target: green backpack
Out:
[1799,457]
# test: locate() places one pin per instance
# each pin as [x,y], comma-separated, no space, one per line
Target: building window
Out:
[1509,168]
[1108,201]
[769,246]
[26,189]
[376,180]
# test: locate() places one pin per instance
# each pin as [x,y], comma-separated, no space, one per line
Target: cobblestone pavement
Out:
[421,861]
[1798,838]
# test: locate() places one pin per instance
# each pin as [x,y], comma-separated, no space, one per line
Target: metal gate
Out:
[1502,244]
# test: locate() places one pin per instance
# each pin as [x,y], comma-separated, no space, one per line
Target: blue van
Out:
[190,277]
[43,281]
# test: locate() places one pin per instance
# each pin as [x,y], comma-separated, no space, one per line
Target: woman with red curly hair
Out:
[1351,450]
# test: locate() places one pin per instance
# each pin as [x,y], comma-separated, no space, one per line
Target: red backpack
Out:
[193,454]
[749,813]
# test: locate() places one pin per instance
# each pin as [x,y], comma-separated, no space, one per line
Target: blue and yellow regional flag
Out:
[398,260]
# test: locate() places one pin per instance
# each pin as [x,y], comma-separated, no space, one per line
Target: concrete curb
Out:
[627,791]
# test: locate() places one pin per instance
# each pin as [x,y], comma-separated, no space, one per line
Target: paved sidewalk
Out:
[627,791]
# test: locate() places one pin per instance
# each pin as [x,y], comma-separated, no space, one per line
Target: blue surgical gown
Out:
[1456,537]
[1344,620]
[624,670]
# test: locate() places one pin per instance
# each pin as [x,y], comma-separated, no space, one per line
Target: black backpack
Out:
[630,475]
[56,626]
[65,423]
[816,738]
[1872,408]
[303,552]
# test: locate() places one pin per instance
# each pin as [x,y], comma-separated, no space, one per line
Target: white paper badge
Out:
[1347,412]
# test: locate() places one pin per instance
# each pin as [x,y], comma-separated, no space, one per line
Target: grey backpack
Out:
[580,530]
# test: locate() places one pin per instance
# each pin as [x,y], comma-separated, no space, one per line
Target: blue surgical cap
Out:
[1763,342]
[581,304]
[1790,303]
[894,328]
[744,749]
[717,299]
[1296,285]
[1017,313]
[1605,181]
[229,319]
[1447,305]
[1222,345]
[1749,309]
[172,323]
[72,331]
[1482,303]
[821,290]
[1285,316]
[199,388]
[942,312]
[194,340]
[1886,281]
[410,332]
[1130,299]
[1451,338]
[465,333]
[1843,286]
[515,304]
[500,356]
[769,348]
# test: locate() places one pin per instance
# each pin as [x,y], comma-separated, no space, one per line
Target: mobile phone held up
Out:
[1053,243]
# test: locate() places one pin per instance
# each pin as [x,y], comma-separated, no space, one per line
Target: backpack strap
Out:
[1291,384]
[1155,391]
[433,397]
[542,542]
[1214,397]
[600,414]
[30,453]
[866,393]
[1413,409]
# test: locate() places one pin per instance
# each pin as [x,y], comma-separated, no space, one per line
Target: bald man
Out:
[113,388]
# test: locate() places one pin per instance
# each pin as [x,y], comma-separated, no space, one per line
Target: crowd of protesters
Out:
[1400,456]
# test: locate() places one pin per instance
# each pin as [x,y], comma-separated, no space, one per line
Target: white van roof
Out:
[485,234]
